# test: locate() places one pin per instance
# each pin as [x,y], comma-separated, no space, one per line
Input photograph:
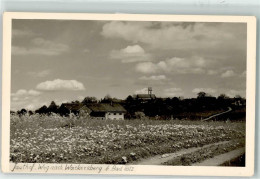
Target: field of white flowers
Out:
[55,139]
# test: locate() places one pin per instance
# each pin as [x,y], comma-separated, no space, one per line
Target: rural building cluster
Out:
[98,110]
[111,110]
[141,106]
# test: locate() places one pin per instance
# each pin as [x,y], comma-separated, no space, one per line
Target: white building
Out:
[112,111]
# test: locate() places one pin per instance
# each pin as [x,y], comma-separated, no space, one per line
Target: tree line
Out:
[155,107]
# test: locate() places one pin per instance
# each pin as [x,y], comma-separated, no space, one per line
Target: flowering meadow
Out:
[56,139]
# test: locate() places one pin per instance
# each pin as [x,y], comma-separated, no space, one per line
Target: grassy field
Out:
[54,139]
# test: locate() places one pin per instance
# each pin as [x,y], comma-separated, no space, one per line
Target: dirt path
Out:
[220,159]
[159,159]
[215,115]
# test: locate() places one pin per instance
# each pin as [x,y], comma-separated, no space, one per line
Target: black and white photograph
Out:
[128,93]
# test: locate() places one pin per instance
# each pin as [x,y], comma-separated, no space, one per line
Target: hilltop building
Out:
[146,97]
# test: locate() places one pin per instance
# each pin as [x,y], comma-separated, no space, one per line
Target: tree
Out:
[75,102]
[30,112]
[201,94]
[89,99]
[175,99]
[223,96]
[42,110]
[63,111]
[53,107]
[22,112]
[107,99]
[129,98]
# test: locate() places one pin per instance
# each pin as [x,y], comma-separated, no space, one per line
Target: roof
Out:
[106,107]
[145,96]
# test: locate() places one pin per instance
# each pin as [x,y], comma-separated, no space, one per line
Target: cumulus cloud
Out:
[23,95]
[228,73]
[194,65]
[29,103]
[206,90]
[147,67]
[130,54]
[23,92]
[34,92]
[173,92]
[133,49]
[142,91]
[40,46]
[153,77]
[233,93]
[170,35]
[30,107]
[60,85]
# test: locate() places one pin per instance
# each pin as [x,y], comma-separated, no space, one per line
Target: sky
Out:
[65,60]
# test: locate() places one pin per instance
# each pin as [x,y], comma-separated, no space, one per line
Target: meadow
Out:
[56,139]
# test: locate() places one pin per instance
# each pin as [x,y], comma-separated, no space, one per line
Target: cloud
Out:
[233,93]
[30,107]
[228,73]
[60,101]
[40,46]
[147,67]
[80,98]
[130,54]
[206,90]
[40,74]
[23,92]
[34,93]
[133,49]
[159,77]
[172,92]
[194,65]
[60,85]
[142,91]
[23,95]
[172,35]
[29,103]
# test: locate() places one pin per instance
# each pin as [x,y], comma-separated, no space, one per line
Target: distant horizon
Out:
[99,99]
[65,60]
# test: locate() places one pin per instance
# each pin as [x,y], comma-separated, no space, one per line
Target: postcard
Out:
[128,94]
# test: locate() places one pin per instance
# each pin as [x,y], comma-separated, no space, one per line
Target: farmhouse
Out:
[97,110]
[107,110]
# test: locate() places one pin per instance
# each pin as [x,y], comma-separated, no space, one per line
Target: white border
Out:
[139,169]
